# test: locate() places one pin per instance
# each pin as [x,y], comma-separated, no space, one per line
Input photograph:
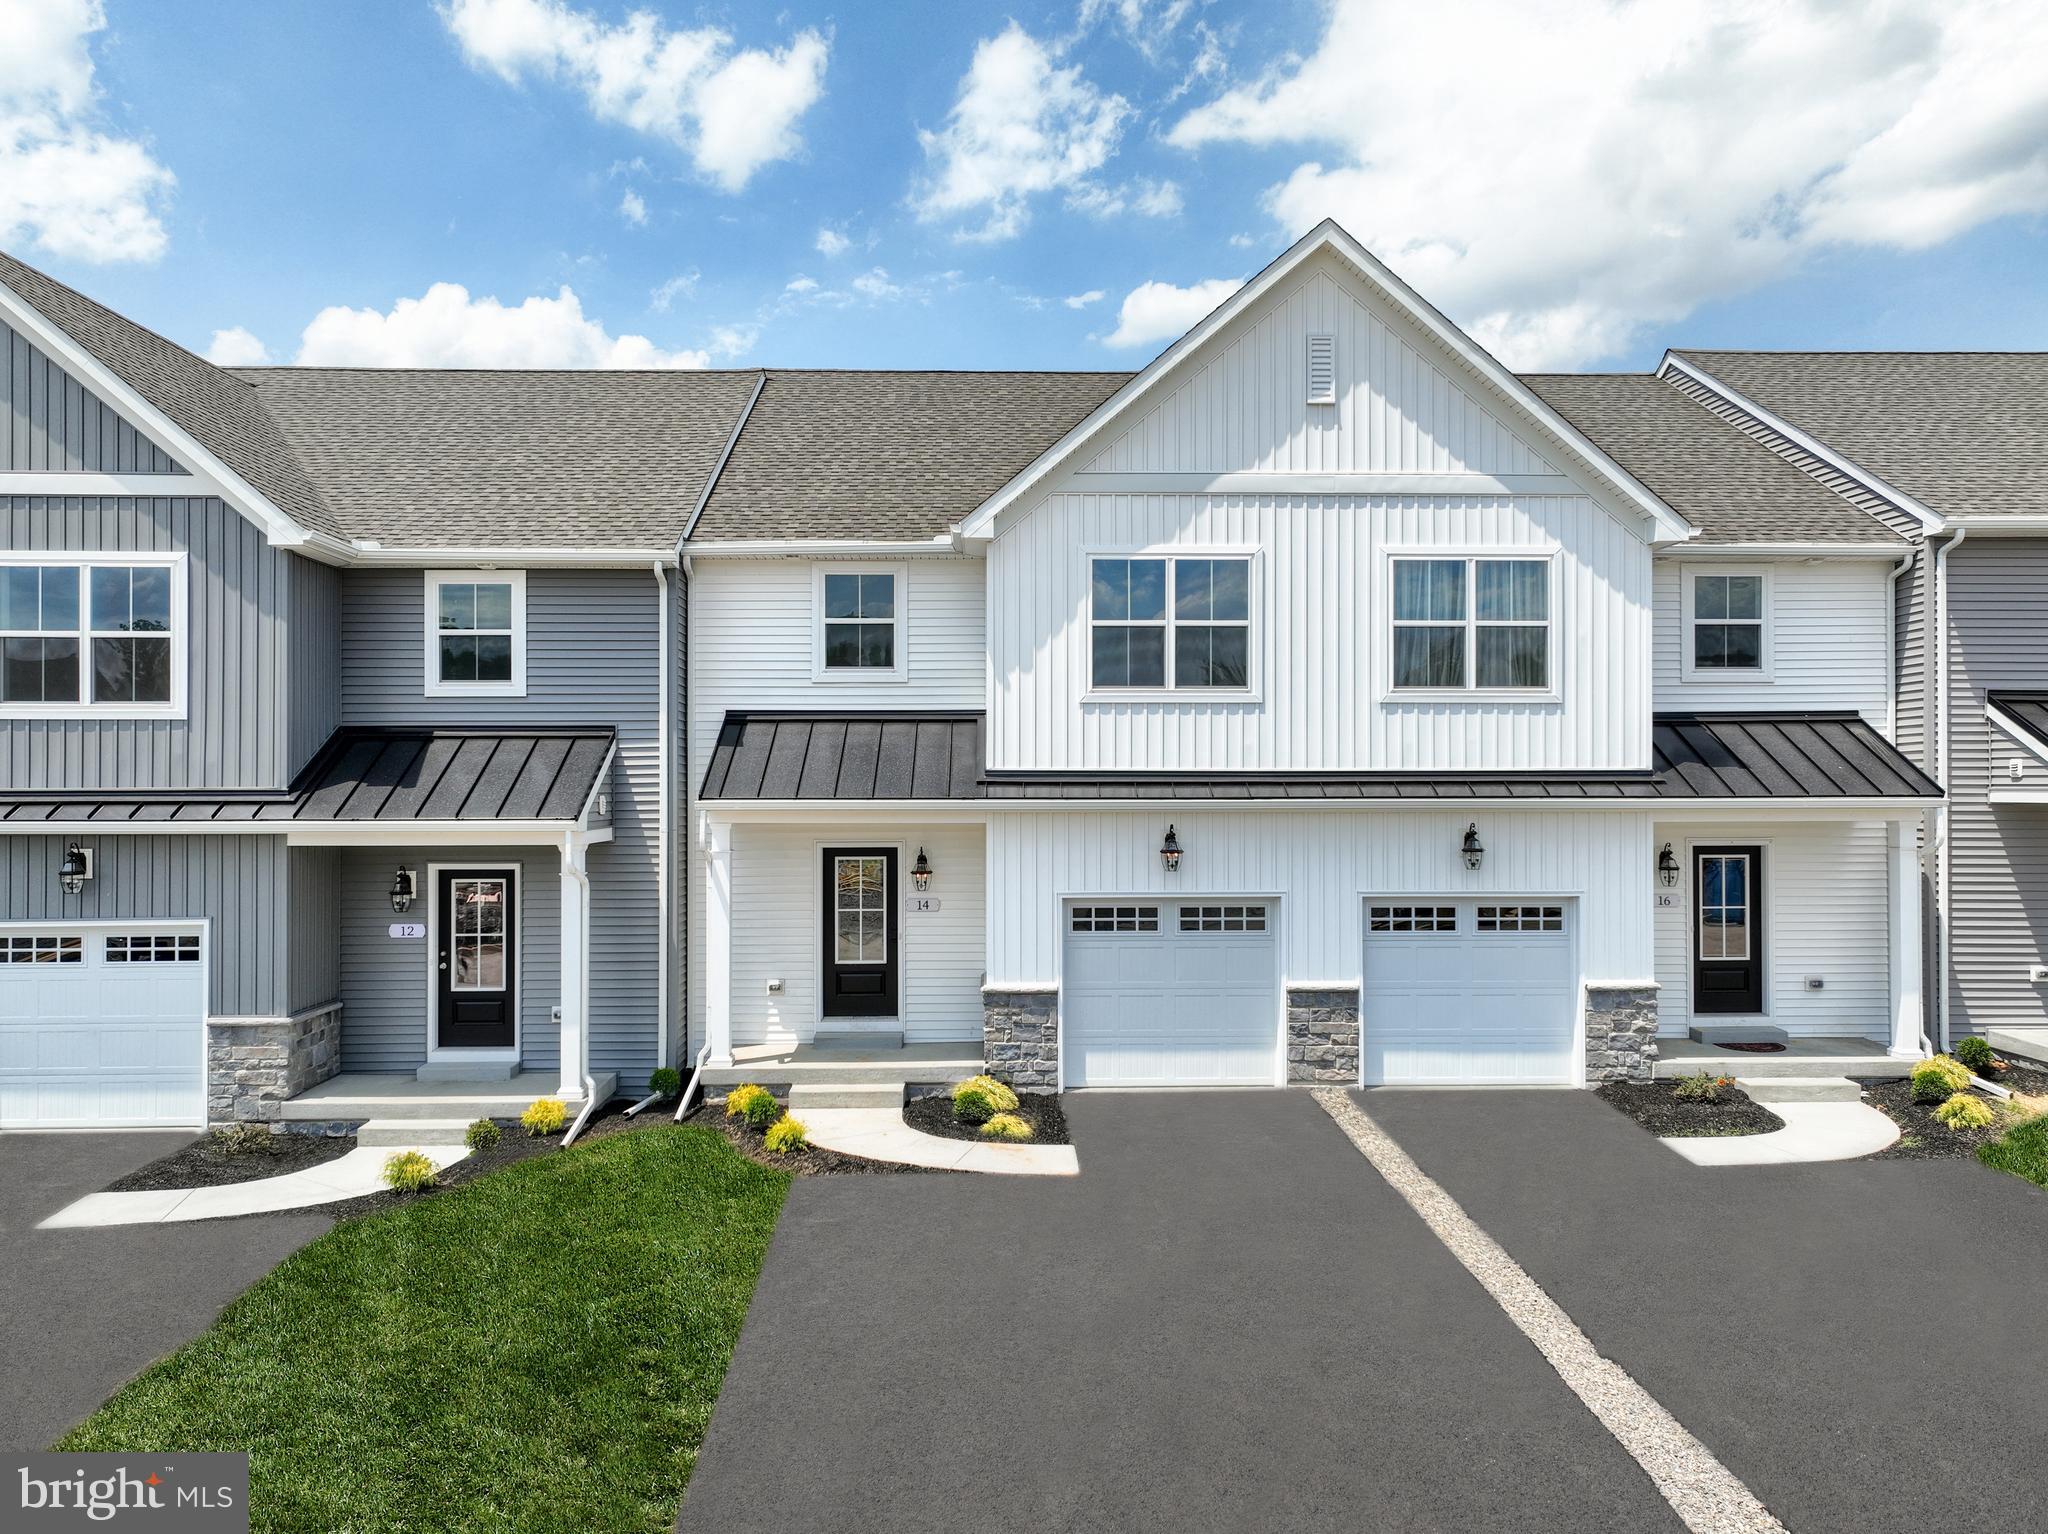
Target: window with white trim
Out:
[1413,918]
[153,948]
[1725,622]
[1115,918]
[1478,623]
[92,636]
[476,633]
[1223,918]
[43,948]
[1521,918]
[860,620]
[1180,622]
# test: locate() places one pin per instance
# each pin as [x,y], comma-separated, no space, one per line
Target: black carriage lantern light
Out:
[1169,852]
[1475,854]
[921,872]
[75,869]
[405,889]
[1667,867]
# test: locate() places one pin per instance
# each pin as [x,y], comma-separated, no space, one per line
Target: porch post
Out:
[575,965]
[1904,860]
[718,939]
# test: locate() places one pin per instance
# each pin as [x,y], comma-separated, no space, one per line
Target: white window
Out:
[476,633]
[1521,918]
[1727,625]
[860,624]
[1180,622]
[1477,623]
[94,636]
[1413,918]
[43,948]
[154,948]
[1223,918]
[1116,918]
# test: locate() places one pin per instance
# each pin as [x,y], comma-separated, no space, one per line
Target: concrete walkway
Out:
[879,1134]
[1812,1132]
[351,1176]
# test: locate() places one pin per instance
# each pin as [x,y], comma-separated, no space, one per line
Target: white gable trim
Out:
[2021,735]
[207,476]
[1668,525]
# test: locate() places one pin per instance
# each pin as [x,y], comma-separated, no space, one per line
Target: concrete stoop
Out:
[409,1132]
[807,1096]
[1800,1089]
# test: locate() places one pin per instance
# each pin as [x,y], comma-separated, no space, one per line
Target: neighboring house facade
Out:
[1957,442]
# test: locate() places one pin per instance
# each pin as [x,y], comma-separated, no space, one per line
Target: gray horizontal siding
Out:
[239,883]
[1998,879]
[384,980]
[56,424]
[239,696]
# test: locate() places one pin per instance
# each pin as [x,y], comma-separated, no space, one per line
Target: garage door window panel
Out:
[44,949]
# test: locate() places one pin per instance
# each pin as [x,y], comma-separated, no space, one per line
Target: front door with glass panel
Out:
[474,951]
[860,972]
[1728,931]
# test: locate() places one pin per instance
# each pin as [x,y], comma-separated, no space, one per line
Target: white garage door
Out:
[101,1027]
[1170,994]
[1468,992]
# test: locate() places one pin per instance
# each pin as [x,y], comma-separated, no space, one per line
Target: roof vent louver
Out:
[1322,370]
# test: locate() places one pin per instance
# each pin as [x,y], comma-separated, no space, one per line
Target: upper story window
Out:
[1727,622]
[1480,624]
[1179,622]
[859,625]
[476,633]
[92,637]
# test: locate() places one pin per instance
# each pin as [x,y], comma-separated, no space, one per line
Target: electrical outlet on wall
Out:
[2037,973]
[1815,983]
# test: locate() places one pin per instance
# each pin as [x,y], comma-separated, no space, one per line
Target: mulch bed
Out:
[1651,1104]
[203,1164]
[811,1161]
[933,1115]
[1922,1136]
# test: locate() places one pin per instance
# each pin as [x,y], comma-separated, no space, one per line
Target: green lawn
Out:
[2021,1150]
[538,1350]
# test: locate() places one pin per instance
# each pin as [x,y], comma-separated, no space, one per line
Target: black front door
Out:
[475,952]
[1728,929]
[860,932]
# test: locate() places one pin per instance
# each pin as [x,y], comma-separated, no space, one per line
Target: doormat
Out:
[1755,1047]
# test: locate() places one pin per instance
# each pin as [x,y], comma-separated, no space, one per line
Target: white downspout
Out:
[572,865]
[1891,670]
[662,711]
[1943,811]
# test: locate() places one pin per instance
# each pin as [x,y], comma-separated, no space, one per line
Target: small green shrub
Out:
[1965,1110]
[241,1139]
[1702,1087]
[971,1105]
[1975,1052]
[1939,1079]
[481,1135]
[1007,1126]
[753,1105]
[1000,1097]
[408,1172]
[544,1116]
[787,1134]
[665,1082]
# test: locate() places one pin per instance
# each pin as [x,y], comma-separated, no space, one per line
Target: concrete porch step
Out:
[360,1097]
[2028,1042]
[808,1096]
[805,1064]
[1800,1089]
[859,1039]
[382,1132]
[1735,1033]
[1751,1067]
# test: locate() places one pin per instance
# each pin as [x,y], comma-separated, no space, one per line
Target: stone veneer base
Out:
[1020,1038]
[1322,1036]
[255,1064]
[1621,1033]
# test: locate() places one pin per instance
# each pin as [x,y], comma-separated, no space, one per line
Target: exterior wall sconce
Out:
[921,872]
[1169,852]
[1474,853]
[405,889]
[75,869]
[1667,867]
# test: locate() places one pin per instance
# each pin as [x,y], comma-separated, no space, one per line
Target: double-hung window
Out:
[476,633]
[1726,623]
[1472,623]
[1181,622]
[859,625]
[92,637]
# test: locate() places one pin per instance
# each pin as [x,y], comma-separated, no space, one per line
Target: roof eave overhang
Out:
[1898,549]
[2020,733]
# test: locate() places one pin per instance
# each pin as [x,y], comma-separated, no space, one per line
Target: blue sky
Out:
[929,184]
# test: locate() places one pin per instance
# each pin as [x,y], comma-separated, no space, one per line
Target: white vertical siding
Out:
[1323,639]
[1826,901]
[1830,641]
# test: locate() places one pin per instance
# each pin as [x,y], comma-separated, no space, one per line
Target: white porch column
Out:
[718,939]
[575,965]
[1907,1008]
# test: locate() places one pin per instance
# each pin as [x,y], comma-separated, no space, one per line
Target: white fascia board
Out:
[2021,524]
[422,833]
[1996,795]
[598,786]
[2020,734]
[1891,551]
[1929,519]
[1330,236]
[104,486]
[823,548]
[1144,482]
[834,812]
[370,553]
[280,529]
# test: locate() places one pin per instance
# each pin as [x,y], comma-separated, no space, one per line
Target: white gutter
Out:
[2025,523]
[662,714]
[1942,815]
[371,553]
[822,548]
[1783,550]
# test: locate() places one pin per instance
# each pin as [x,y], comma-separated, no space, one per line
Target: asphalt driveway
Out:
[84,1311]
[1862,1343]
[1227,1322]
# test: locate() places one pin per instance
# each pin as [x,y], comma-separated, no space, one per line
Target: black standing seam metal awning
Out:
[934,757]
[376,774]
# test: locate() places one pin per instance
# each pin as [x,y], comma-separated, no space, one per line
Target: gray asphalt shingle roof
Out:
[1964,433]
[1728,485]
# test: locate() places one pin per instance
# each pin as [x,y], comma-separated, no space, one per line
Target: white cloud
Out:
[633,208]
[1159,311]
[1083,300]
[875,286]
[445,327]
[67,184]
[733,111]
[236,347]
[1021,126]
[832,243]
[682,285]
[1589,169]
[1143,196]
[801,285]
[729,341]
